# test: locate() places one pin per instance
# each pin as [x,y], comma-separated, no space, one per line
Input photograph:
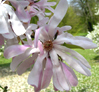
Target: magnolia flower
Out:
[10,25]
[52,51]
[38,8]
[20,6]
[47,53]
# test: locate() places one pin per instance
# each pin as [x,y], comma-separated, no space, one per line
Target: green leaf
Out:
[72,46]
[34,20]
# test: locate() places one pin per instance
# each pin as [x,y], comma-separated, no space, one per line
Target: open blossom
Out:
[55,53]
[46,52]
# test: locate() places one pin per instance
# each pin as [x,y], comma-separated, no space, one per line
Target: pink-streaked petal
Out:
[47,74]
[1,40]
[59,75]
[20,11]
[74,63]
[14,50]
[18,59]
[70,75]
[37,33]
[41,48]
[59,13]
[73,53]
[33,78]
[23,15]
[81,41]
[26,64]
[17,3]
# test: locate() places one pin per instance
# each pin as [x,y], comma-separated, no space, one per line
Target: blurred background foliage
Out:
[81,15]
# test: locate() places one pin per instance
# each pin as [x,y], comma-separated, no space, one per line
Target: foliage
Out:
[1,51]
[86,9]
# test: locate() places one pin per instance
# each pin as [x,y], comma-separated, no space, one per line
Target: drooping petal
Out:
[18,59]
[33,78]
[59,13]
[47,74]
[56,82]
[70,75]
[14,50]
[59,80]
[26,64]
[58,76]
[74,54]
[74,63]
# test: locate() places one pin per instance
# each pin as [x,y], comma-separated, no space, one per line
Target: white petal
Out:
[59,13]
[74,54]
[77,65]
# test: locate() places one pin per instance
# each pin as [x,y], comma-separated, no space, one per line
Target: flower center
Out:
[48,45]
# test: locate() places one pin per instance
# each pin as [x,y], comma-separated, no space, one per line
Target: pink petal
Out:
[20,11]
[34,75]
[70,75]
[18,59]
[47,74]
[14,50]
[26,64]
